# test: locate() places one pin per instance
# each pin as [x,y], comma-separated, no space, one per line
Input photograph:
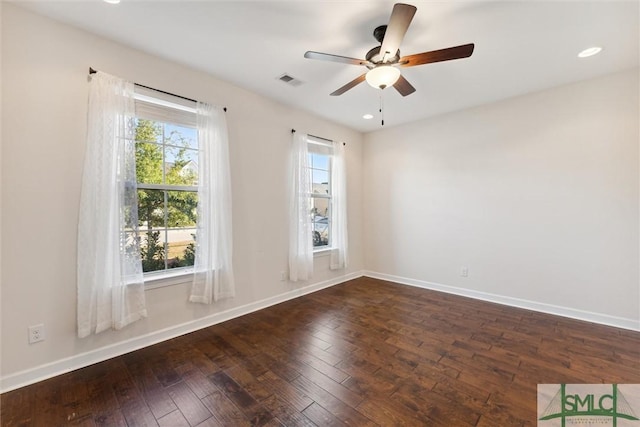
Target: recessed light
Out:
[112,1]
[589,52]
[368,116]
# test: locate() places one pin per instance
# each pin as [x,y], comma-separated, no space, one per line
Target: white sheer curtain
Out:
[213,271]
[339,238]
[109,274]
[300,242]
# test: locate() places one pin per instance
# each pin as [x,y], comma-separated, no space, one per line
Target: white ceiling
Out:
[521,46]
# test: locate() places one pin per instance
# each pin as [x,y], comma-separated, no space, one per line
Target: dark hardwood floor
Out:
[362,353]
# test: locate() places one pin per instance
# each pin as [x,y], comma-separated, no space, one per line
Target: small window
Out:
[166,152]
[320,201]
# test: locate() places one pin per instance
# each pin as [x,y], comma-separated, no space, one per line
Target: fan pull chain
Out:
[381,109]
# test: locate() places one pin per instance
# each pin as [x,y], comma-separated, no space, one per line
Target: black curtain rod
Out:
[92,71]
[319,137]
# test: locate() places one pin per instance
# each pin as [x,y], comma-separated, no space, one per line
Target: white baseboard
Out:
[604,319]
[43,372]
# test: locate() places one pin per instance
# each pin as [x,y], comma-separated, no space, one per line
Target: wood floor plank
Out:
[204,364]
[251,383]
[365,352]
[386,413]
[164,371]
[189,404]
[339,346]
[224,410]
[205,344]
[274,422]
[320,416]
[49,403]
[331,403]
[111,419]
[285,391]
[139,414]
[286,413]
[212,422]
[276,364]
[253,410]
[435,407]
[196,380]
[336,389]
[18,407]
[173,419]
[153,392]
[318,364]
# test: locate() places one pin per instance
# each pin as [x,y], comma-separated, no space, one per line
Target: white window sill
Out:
[322,252]
[170,278]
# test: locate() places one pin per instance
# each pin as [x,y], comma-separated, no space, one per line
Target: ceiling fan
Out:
[383,61]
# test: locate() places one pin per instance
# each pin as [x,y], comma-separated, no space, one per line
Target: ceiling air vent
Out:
[290,80]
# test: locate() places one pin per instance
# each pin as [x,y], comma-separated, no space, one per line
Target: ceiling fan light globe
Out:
[383,76]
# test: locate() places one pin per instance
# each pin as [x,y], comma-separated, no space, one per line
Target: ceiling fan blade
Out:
[353,83]
[456,52]
[398,24]
[404,87]
[335,58]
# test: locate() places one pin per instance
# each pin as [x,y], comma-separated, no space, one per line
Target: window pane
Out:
[148,131]
[181,166]
[181,136]
[320,230]
[181,247]
[320,219]
[320,180]
[148,163]
[152,249]
[150,209]
[319,161]
[129,242]
[320,234]
[320,206]
[181,208]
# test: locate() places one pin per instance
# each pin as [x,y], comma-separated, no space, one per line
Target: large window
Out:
[320,171]
[318,205]
[167,182]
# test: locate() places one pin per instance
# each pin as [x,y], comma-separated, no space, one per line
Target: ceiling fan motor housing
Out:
[375,57]
[374,54]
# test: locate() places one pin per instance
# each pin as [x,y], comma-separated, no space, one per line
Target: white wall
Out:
[44,79]
[536,195]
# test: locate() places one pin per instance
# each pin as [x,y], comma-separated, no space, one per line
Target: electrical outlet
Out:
[283,276]
[464,271]
[36,333]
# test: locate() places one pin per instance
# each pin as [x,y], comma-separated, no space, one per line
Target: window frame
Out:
[327,147]
[166,109]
